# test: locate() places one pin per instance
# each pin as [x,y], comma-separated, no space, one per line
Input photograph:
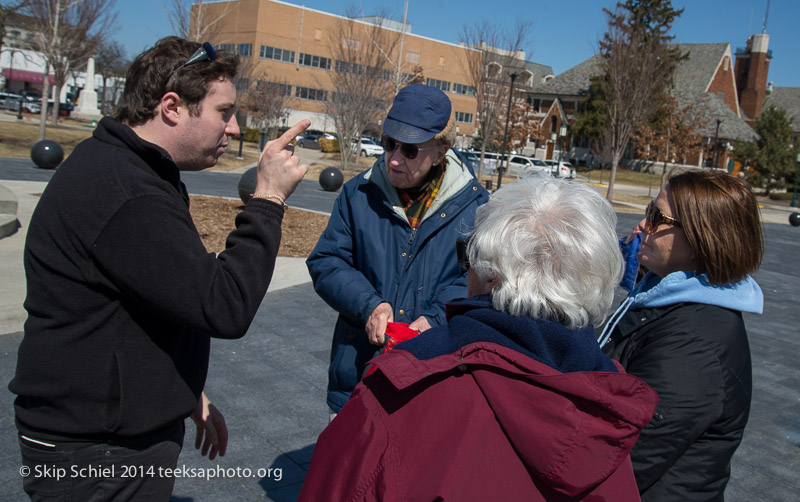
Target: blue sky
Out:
[565,32]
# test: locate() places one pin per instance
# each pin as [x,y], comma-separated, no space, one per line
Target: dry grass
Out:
[17,138]
[214,217]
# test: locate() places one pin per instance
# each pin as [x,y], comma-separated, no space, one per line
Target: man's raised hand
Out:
[279,170]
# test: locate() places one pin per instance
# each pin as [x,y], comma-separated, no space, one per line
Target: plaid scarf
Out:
[417,200]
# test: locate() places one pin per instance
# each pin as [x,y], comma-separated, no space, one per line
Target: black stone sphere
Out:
[794,219]
[47,154]
[331,179]
[247,184]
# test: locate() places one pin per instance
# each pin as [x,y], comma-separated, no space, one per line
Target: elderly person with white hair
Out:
[512,399]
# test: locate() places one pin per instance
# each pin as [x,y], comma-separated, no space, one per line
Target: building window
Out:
[464,118]
[227,48]
[439,84]
[274,88]
[267,52]
[348,67]
[245,49]
[380,73]
[312,94]
[412,57]
[314,61]
[351,43]
[466,90]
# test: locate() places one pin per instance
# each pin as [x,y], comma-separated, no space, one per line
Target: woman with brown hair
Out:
[681,331]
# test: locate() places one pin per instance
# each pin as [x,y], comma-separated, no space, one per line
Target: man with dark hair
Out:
[123,298]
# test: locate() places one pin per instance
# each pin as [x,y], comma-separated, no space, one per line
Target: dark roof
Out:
[706,108]
[787,98]
[573,82]
[695,73]
[539,71]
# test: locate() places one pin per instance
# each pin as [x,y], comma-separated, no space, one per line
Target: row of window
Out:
[314,94]
[323,63]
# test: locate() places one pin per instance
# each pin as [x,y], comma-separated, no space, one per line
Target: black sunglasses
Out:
[409,150]
[461,254]
[205,52]
[655,217]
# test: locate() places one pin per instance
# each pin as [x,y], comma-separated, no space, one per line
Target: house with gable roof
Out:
[724,96]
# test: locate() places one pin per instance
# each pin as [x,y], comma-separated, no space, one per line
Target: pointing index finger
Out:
[291,133]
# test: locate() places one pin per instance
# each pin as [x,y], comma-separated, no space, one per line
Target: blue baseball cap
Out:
[419,113]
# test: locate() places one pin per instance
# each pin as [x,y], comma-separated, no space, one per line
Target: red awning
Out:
[34,77]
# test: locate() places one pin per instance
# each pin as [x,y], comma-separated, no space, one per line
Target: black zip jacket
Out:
[123,298]
[697,358]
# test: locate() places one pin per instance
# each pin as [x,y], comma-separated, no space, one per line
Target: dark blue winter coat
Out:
[369,254]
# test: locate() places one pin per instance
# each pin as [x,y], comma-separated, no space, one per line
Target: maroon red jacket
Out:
[484,422]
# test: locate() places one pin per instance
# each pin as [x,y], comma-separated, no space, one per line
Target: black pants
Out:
[133,469]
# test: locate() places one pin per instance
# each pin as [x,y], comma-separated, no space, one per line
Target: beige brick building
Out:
[292,44]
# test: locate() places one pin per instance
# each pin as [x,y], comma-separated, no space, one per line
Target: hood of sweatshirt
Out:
[678,287]
[687,287]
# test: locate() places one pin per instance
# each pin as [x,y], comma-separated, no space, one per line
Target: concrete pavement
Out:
[271,384]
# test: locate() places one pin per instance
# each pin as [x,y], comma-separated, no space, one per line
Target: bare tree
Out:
[265,102]
[362,76]
[636,64]
[491,51]
[111,64]
[670,136]
[195,20]
[522,126]
[68,32]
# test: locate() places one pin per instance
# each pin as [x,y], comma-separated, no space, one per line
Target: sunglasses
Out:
[409,150]
[205,52]
[655,217]
[461,254]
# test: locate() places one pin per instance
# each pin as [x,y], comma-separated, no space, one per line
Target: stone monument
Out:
[87,99]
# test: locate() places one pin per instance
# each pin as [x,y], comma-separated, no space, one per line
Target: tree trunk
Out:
[43,111]
[56,103]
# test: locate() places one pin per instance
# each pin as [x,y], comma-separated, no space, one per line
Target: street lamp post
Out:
[504,163]
[716,138]
[795,200]
[562,131]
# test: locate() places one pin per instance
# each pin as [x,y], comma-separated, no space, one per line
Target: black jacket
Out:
[123,298]
[697,358]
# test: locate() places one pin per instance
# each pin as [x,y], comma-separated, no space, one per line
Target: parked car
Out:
[309,139]
[9,100]
[520,165]
[561,169]
[491,161]
[368,148]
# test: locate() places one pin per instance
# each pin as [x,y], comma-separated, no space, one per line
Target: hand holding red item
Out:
[396,332]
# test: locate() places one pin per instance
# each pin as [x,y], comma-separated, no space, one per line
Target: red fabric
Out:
[396,332]
[483,423]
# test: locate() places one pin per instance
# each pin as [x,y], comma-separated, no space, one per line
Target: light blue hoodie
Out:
[677,287]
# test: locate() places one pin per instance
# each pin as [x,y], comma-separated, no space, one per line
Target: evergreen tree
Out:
[771,157]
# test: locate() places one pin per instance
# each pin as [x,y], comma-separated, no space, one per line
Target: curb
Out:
[8,212]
